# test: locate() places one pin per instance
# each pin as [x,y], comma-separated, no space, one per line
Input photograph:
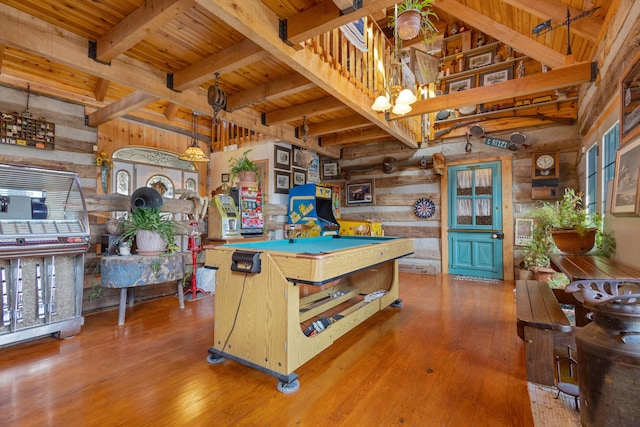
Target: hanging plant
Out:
[414,16]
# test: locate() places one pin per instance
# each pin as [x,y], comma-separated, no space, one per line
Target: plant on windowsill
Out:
[151,229]
[243,168]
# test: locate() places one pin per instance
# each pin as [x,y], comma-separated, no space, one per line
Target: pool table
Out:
[270,294]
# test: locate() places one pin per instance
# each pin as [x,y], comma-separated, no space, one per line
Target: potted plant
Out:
[151,229]
[413,17]
[243,168]
[571,226]
[535,256]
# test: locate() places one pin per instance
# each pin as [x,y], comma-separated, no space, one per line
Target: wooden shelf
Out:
[480,49]
[505,110]
[484,69]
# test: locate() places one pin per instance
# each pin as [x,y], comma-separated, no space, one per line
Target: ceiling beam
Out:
[347,123]
[587,27]
[120,107]
[256,22]
[519,42]
[326,16]
[310,109]
[511,89]
[286,86]
[227,60]
[100,91]
[152,15]
[372,134]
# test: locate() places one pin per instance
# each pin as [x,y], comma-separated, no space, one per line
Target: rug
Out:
[477,279]
[551,412]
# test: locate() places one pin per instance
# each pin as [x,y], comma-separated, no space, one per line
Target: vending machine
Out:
[224,219]
[313,205]
[249,203]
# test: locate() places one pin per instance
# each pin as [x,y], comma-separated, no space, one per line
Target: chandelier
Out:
[194,153]
[395,97]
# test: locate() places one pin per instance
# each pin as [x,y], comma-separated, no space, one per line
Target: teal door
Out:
[475,220]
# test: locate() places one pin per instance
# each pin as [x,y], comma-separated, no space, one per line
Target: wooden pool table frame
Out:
[258,315]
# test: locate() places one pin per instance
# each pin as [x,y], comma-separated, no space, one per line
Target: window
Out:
[611,142]
[592,179]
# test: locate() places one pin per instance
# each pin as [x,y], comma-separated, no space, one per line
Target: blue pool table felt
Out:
[311,245]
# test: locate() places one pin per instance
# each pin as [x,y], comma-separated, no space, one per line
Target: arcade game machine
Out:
[224,219]
[249,203]
[313,205]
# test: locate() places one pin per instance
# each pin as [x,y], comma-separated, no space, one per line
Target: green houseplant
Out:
[243,167]
[414,16]
[151,229]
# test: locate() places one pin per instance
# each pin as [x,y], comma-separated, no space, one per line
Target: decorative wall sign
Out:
[500,143]
[424,208]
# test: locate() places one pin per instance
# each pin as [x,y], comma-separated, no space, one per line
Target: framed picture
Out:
[295,149]
[625,200]
[360,193]
[480,60]
[283,182]
[630,102]
[458,85]
[524,231]
[313,172]
[282,157]
[330,169]
[224,177]
[262,173]
[495,76]
[299,177]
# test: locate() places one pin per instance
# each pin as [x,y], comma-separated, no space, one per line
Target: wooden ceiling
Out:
[155,60]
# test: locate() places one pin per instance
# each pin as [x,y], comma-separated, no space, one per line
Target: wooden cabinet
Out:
[24,130]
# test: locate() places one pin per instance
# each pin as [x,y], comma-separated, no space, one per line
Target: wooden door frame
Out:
[506,169]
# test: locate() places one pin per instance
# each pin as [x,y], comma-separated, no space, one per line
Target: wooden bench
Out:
[543,326]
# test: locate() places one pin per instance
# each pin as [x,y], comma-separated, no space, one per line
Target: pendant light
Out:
[194,153]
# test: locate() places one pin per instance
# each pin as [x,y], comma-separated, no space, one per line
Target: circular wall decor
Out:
[424,208]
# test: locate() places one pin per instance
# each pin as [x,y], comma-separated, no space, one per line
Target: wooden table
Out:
[126,272]
[588,267]
[260,310]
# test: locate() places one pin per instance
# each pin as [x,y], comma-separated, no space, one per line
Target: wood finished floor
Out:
[449,357]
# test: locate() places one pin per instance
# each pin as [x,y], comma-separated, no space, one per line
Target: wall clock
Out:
[545,175]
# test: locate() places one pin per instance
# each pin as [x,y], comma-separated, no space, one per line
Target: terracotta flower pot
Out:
[408,24]
[570,242]
[247,179]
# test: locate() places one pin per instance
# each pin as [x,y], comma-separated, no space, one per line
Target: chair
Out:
[567,376]
[361,230]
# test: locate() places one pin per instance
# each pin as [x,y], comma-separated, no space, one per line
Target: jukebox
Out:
[44,234]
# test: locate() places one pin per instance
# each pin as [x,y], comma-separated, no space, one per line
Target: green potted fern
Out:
[414,16]
[151,229]
[244,168]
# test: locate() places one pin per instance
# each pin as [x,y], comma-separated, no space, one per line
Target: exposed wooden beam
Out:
[506,35]
[120,107]
[227,60]
[132,29]
[286,86]
[587,27]
[2,49]
[313,108]
[100,91]
[172,110]
[372,134]
[536,83]
[326,16]
[347,123]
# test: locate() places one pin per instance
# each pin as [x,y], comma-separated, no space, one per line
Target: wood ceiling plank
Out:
[366,135]
[309,109]
[503,33]
[346,123]
[135,27]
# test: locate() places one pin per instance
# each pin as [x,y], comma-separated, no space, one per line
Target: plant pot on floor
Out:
[543,274]
[570,242]
[150,243]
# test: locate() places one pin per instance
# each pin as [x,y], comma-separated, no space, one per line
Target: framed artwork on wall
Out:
[360,193]
[299,177]
[283,181]
[313,172]
[330,169]
[626,199]
[224,177]
[282,157]
[480,60]
[630,102]
[495,76]
[459,85]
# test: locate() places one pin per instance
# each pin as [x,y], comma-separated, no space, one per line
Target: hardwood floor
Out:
[449,357]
